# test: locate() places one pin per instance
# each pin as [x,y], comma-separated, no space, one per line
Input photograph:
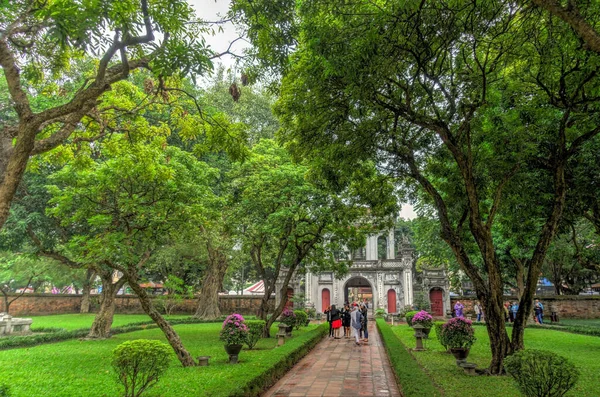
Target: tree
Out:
[19,272]
[463,101]
[140,196]
[286,222]
[39,41]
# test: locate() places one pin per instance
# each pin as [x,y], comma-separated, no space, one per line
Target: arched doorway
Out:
[325,299]
[436,297]
[357,289]
[391,301]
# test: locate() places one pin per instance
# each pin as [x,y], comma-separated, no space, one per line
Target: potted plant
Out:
[234,333]
[288,317]
[458,335]
[425,319]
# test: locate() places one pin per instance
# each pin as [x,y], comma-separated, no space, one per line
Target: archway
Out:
[391,301]
[357,289]
[436,297]
[325,299]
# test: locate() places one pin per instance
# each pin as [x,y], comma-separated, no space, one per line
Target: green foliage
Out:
[255,331]
[540,373]
[421,301]
[439,333]
[139,364]
[311,312]
[409,316]
[380,312]
[415,382]
[5,390]
[301,319]
[177,292]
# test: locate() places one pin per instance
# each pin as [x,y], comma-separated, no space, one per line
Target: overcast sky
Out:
[214,10]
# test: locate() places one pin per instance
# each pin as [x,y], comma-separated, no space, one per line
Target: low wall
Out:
[567,306]
[41,304]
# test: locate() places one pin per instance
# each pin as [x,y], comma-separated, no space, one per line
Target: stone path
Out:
[328,370]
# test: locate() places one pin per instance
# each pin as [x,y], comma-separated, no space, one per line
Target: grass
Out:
[78,321]
[594,323]
[582,350]
[77,368]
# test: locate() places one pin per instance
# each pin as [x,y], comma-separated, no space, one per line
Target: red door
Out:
[324,299]
[391,301]
[437,302]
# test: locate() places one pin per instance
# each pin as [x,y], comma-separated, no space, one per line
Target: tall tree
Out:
[140,196]
[40,40]
[464,101]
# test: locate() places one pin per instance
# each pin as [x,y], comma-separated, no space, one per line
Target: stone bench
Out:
[10,325]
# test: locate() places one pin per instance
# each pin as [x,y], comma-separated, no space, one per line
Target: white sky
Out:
[214,10]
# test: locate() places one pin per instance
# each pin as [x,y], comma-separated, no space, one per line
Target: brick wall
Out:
[567,306]
[40,304]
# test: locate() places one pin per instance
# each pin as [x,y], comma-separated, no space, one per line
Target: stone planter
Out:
[460,354]
[203,361]
[288,331]
[426,331]
[233,351]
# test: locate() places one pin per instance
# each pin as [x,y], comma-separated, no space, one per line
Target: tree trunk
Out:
[263,311]
[208,301]
[6,303]
[87,287]
[104,318]
[172,337]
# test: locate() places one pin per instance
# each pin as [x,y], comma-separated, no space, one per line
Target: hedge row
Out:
[51,335]
[574,329]
[294,350]
[411,377]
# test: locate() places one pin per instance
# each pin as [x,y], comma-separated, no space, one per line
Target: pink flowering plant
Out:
[234,331]
[458,332]
[288,317]
[423,318]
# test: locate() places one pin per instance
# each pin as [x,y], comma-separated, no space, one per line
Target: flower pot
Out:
[460,354]
[233,351]
[426,331]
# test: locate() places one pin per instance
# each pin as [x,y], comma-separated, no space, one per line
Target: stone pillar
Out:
[372,248]
[391,246]
[308,289]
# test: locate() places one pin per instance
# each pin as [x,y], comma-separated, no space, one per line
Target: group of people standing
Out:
[510,311]
[352,318]
[477,308]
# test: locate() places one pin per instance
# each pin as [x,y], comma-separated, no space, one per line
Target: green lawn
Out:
[76,321]
[82,368]
[582,350]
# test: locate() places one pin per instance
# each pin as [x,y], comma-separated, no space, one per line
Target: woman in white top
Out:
[356,322]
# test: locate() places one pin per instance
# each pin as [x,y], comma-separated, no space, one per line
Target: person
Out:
[328,313]
[538,309]
[513,311]
[506,314]
[346,319]
[478,311]
[458,309]
[356,323]
[365,312]
[336,321]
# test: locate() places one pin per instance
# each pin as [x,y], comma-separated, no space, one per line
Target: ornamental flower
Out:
[458,332]
[288,317]
[423,318]
[234,331]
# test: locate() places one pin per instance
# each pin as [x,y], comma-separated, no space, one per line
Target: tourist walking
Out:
[458,309]
[328,313]
[356,323]
[538,309]
[336,322]
[365,315]
[478,311]
[346,319]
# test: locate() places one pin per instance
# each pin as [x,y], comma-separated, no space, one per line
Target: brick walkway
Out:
[328,371]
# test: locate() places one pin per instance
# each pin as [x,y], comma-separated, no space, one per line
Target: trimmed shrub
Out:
[414,380]
[139,364]
[541,373]
[380,312]
[301,318]
[255,330]
[5,390]
[409,317]
[439,329]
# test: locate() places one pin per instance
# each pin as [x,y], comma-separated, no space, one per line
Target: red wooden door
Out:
[391,301]
[437,302]
[324,299]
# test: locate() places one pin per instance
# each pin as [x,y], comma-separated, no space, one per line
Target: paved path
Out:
[328,371]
